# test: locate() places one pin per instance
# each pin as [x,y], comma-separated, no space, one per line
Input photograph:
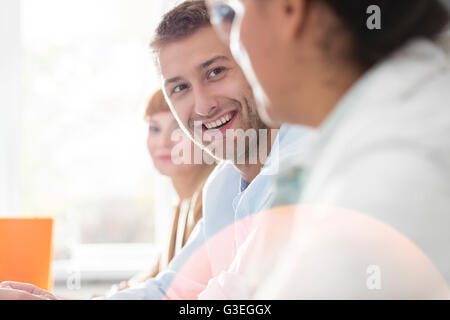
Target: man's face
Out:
[205,87]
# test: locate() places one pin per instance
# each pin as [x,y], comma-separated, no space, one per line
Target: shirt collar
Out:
[244,184]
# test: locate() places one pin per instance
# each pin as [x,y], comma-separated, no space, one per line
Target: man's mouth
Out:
[221,123]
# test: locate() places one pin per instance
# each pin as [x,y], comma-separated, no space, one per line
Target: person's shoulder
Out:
[218,194]
[224,174]
[289,133]
[224,168]
[294,143]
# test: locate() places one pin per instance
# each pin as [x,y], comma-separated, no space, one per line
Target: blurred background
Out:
[75,76]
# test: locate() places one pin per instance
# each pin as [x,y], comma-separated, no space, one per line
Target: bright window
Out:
[75,147]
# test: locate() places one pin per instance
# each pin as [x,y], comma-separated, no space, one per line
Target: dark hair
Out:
[402,20]
[181,22]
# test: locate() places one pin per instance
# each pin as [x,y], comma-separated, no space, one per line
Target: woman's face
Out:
[260,34]
[295,55]
[161,142]
[251,31]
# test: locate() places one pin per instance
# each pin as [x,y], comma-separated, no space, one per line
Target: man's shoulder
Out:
[219,191]
[224,177]
[225,169]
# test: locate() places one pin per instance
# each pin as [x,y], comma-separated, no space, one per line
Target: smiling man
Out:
[211,97]
[214,104]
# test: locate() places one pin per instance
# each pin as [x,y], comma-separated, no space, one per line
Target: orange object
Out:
[26,250]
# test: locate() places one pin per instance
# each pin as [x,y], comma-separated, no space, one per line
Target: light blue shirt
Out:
[227,198]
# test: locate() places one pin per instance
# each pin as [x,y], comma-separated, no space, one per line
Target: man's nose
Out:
[205,103]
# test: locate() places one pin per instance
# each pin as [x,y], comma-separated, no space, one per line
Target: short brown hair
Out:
[181,22]
[156,104]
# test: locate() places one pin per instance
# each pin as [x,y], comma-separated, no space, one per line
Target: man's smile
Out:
[220,123]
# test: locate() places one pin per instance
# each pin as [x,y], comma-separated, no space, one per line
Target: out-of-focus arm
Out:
[177,282]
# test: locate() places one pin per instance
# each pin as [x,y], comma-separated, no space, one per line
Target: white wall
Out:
[9,106]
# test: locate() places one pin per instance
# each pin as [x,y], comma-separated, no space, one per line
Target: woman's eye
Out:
[179,88]
[214,73]
[154,129]
[224,13]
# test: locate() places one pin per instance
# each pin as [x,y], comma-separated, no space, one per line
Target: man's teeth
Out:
[218,123]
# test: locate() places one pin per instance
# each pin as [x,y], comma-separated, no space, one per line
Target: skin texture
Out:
[203,82]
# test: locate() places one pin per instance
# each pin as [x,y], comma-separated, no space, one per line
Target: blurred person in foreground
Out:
[370,201]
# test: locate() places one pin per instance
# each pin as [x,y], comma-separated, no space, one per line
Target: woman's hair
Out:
[156,104]
[401,21]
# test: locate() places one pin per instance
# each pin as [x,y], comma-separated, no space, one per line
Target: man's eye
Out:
[214,73]
[179,88]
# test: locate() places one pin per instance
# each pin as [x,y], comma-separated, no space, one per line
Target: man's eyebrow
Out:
[172,80]
[206,64]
